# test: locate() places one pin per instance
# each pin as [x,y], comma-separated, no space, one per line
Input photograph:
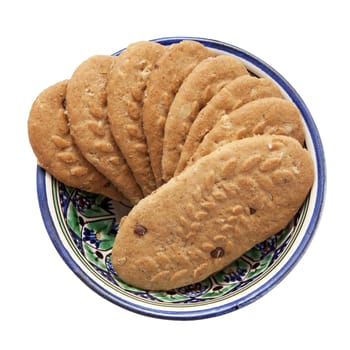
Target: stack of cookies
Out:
[183,132]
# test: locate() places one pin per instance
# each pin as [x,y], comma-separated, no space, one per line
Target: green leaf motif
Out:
[103,229]
[217,292]
[103,226]
[70,190]
[73,219]
[93,258]
[284,234]
[165,296]
[262,266]
[95,212]
[99,199]
[126,286]
[254,254]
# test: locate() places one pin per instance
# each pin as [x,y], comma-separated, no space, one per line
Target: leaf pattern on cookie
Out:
[274,115]
[206,79]
[50,138]
[233,95]
[95,133]
[171,69]
[126,87]
[87,111]
[227,214]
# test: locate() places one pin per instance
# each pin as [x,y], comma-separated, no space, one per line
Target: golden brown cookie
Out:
[87,111]
[206,79]
[270,115]
[171,69]
[125,94]
[213,212]
[240,91]
[53,145]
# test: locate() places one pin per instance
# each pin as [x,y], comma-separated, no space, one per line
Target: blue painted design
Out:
[239,276]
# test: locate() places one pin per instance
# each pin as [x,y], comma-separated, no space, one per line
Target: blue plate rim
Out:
[270,283]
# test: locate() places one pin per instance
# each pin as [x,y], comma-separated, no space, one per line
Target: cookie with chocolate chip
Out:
[213,212]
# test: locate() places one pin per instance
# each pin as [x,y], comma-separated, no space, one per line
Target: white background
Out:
[43,305]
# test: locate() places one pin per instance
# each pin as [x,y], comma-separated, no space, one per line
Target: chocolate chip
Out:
[64,104]
[107,184]
[252,211]
[140,230]
[218,252]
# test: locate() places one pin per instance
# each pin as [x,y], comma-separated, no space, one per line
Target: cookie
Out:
[240,91]
[213,212]
[270,115]
[54,148]
[171,69]
[206,79]
[125,94]
[87,111]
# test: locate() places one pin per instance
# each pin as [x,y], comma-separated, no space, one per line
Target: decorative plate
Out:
[83,226]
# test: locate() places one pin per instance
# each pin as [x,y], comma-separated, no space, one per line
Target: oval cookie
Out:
[87,111]
[206,79]
[240,91]
[220,207]
[53,145]
[125,94]
[270,115]
[171,69]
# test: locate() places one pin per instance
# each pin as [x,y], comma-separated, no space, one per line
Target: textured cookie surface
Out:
[87,111]
[53,145]
[213,212]
[240,91]
[206,79]
[171,69]
[270,115]
[125,94]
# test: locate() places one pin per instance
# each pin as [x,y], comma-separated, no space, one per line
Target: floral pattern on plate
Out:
[90,222]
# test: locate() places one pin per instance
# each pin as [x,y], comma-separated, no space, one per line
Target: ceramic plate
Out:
[83,226]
